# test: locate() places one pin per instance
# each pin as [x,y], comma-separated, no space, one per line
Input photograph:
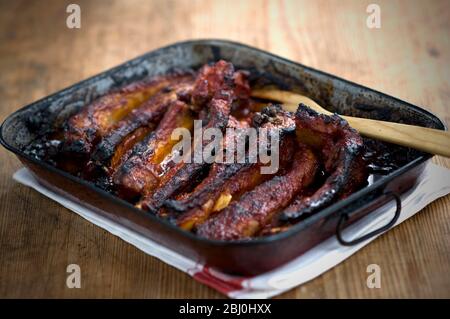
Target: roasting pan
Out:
[402,166]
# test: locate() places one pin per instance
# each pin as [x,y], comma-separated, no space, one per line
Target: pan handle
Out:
[344,217]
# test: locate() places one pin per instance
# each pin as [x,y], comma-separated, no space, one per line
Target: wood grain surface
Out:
[408,57]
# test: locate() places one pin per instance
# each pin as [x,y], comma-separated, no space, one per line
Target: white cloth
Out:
[434,183]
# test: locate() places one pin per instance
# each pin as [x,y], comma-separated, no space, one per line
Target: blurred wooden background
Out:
[408,57]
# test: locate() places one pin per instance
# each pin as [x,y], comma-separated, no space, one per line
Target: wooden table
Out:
[408,57]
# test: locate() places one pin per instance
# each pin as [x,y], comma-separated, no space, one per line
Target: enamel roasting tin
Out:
[396,169]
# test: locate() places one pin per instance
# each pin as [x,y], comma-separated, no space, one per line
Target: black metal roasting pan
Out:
[240,257]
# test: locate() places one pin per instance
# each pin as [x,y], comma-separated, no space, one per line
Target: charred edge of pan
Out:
[78,148]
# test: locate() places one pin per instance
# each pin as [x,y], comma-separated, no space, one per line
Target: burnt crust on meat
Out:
[122,142]
[214,90]
[341,147]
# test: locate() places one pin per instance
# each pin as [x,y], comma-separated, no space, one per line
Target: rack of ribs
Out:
[124,142]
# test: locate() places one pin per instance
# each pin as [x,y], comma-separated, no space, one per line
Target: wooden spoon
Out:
[420,138]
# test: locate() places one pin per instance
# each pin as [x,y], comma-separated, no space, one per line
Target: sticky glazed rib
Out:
[216,89]
[217,198]
[217,81]
[244,218]
[123,143]
[140,173]
[84,129]
[113,148]
[184,173]
[217,176]
[341,147]
[227,182]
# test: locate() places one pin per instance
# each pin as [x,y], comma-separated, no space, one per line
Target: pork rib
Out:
[216,89]
[244,218]
[83,130]
[341,147]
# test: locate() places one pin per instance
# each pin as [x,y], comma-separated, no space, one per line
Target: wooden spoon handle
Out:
[417,137]
[420,138]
